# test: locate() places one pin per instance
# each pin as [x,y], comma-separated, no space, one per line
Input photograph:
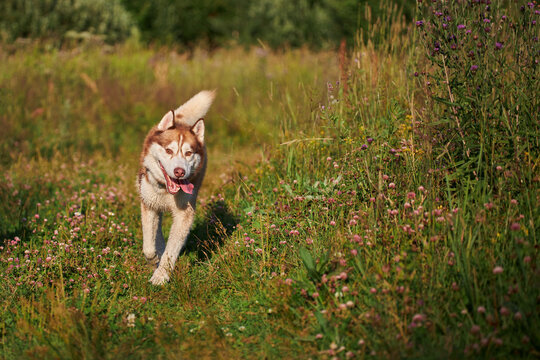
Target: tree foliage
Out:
[57,19]
[317,23]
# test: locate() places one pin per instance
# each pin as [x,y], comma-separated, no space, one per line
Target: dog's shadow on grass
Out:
[210,231]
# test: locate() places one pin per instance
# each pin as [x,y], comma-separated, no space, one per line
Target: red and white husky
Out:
[172,167]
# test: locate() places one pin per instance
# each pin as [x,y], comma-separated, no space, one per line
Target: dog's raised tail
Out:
[196,107]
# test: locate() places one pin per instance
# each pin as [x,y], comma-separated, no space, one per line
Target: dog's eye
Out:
[189,153]
[169,151]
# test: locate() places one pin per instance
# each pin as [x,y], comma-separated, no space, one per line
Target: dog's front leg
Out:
[153,242]
[182,220]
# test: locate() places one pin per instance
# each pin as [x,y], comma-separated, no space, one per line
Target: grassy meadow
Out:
[346,212]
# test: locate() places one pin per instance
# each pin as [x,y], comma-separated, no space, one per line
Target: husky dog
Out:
[172,167]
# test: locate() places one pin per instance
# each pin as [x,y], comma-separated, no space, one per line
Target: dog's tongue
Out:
[173,185]
[186,186]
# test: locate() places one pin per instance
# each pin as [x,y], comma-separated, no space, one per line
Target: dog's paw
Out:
[151,256]
[153,261]
[160,277]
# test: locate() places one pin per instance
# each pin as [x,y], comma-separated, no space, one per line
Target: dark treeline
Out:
[317,23]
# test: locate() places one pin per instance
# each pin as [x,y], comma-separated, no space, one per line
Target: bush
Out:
[316,23]
[189,22]
[180,21]
[105,19]
[483,75]
[293,23]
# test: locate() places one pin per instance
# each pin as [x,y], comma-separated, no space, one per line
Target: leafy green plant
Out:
[482,74]
[315,269]
[64,19]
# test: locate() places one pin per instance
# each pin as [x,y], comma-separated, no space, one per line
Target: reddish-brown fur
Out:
[164,138]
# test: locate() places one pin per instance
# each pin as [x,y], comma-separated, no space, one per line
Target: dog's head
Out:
[174,151]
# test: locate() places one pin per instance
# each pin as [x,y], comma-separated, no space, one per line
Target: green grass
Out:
[328,227]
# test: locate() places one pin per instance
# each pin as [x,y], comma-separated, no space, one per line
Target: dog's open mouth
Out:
[174,185]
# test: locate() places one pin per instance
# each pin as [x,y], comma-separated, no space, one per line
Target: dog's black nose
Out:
[179,172]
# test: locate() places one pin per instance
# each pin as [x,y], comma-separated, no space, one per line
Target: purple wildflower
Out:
[498,45]
[420,23]
[461,26]
[474,68]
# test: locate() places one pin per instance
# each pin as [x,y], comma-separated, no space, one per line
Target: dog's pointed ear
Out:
[167,121]
[198,130]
